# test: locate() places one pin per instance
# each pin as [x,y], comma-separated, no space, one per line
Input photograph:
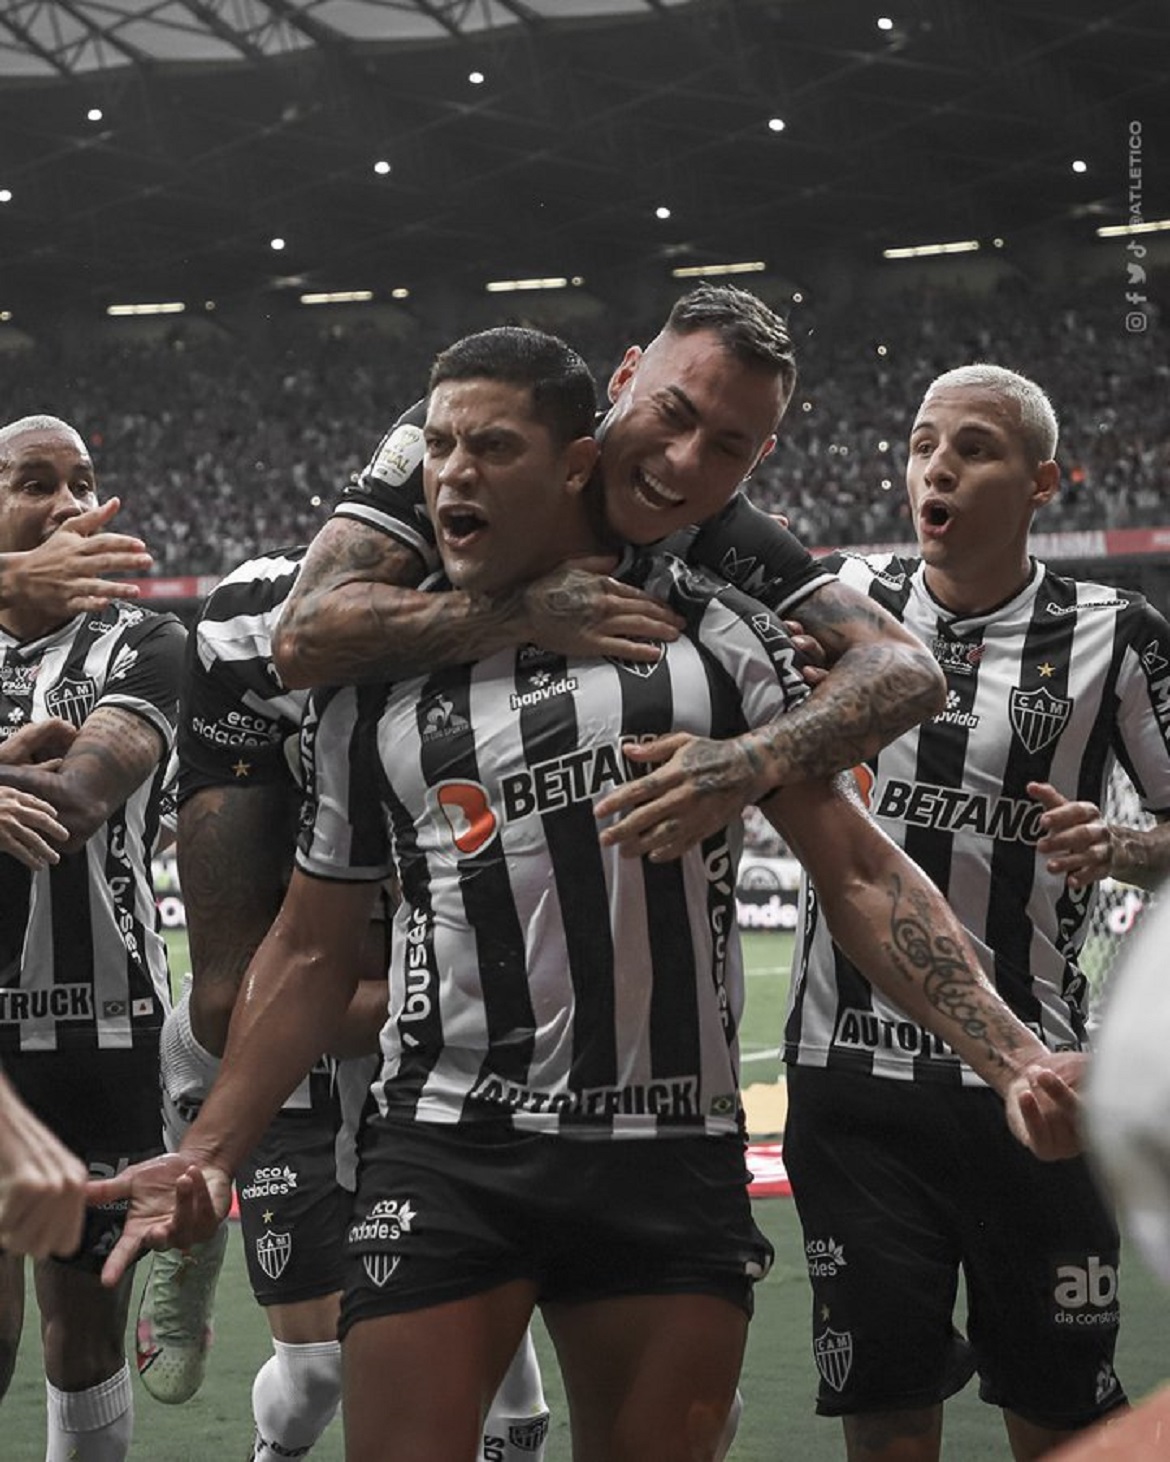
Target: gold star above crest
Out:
[243,768]
[268,1217]
[1046,669]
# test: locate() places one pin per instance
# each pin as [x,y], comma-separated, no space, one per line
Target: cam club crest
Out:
[72,700]
[1038,716]
[274,1251]
[833,1350]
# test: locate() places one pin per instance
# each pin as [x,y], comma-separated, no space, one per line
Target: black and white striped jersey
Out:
[743,544]
[239,725]
[238,722]
[82,962]
[537,976]
[1054,686]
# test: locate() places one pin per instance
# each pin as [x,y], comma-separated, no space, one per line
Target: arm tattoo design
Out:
[916,946]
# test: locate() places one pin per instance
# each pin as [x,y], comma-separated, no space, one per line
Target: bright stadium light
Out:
[1080,166]
[5,195]
[338,297]
[400,293]
[919,251]
[509,286]
[776,124]
[382,167]
[1123,230]
[276,244]
[167,307]
[701,271]
[662,211]
[477,78]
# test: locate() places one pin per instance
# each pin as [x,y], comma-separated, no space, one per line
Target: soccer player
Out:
[897,1152]
[83,974]
[557,1113]
[689,421]
[239,803]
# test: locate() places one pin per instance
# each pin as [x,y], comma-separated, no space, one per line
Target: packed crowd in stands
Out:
[220,448]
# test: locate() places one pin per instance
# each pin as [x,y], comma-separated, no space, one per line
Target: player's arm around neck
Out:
[354,617]
[895,925]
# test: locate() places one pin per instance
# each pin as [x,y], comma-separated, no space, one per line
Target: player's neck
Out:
[978,593]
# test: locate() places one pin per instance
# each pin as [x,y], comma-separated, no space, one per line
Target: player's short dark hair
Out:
[747,328]
[564,396]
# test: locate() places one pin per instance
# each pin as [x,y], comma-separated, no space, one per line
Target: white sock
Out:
[295,1396]
[94,1425]
[188,1072]
[516,1427]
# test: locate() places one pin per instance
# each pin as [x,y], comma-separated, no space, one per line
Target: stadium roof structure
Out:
[226,123]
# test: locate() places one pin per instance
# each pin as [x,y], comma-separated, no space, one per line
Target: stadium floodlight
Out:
[339,297]
[1122,230]
[709,271]
[919,251]
[401,293]
[509,286]
[165,307]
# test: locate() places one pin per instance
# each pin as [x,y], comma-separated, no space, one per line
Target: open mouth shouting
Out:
[460,524]
[653,493]
[934,517]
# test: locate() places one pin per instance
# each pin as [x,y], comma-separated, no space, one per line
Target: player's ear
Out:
[580,459]
[1045,483]
[625,372]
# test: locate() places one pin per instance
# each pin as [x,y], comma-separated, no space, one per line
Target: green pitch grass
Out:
[778,1380]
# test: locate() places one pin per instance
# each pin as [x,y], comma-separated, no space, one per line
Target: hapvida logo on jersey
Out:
[952,714]
[544,688]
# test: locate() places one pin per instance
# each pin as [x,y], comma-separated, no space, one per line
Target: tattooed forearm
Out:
[235,852]
[114,752]
[927,954]
[872,695]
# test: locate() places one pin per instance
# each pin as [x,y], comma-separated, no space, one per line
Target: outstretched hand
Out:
[174,1202]
[1075,838]
[70,571]
[697,787]
[577,609]
[1044,1106]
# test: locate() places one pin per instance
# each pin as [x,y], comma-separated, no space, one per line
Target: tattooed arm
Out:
[882,682]
[354,614]
[114,753]
[895,925]
[235,856]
